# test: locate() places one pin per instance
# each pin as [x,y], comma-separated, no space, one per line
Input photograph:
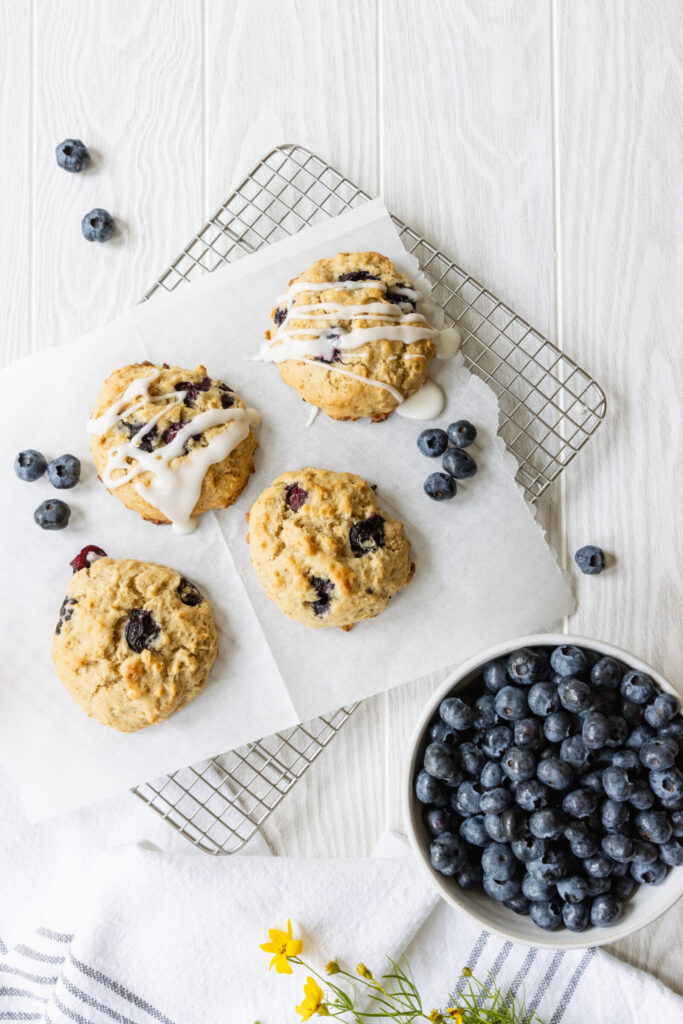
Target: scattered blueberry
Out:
[440,486]
[432,442]
[98,225]
[86,556]
[30,465]
[590,560]
[64,471]
[461,433]
[459,463]
[52,514]
[72,156]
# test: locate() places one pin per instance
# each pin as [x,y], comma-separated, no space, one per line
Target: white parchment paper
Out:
[484,572]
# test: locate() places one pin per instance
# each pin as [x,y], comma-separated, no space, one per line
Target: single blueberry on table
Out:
[494,827]
[459,463]
[72,155]
[52,514]
[656,754]
[606,674]
[576,916]
[618,846]
[605,910]
[471,759]
[429,790]
[536,889]
[667,783]
[64,471]
[531,795]
[590,559]
[448,853]
[575,752]
[642,797]
[595,730]
[637,687]
[495,801]
[547,823]
[485,714]
[664,707]
[499,861]
[519,904]
[573,889]
[528,732]
[575,695]
[441,761]
[557,726]
[470,876]
[519,764]
[623,887]
[650,874]
[367,536]
[456,713]
[547,914]
[527,666]
[30,465]
[98,225]
[468,798]
[555,773]
[440,486]
[511,703]
[614,815]
[501,890]
[580,803]
[528,849]
[461,433]
[439,820]
[492,775]
[496,741]
[568,660]
[432,442]
[473,830]
[513,821]
[671,853]
[543,699]
[653,826]
[495,674]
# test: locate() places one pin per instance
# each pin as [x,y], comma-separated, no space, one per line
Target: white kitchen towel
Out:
[175,939]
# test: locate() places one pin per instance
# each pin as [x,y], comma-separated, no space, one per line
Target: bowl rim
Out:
[592,936]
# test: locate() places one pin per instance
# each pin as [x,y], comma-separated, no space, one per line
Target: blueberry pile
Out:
[554,782]
[63,472]
[98,225]
[457,463]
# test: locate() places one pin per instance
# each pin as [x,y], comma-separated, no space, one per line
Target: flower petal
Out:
[294,947]
[277,936]
[282,964]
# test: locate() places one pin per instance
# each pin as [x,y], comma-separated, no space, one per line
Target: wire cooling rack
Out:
[549,407]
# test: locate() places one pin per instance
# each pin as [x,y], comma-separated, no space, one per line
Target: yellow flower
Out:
[332,967]
[312,1001]
[467,972]
[436,1017]
[364,971]
[283,946]
[455,1014]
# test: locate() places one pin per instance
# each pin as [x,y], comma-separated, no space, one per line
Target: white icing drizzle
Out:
[425,404]
[366,380]
[312,415]
[449,342]
[174,490]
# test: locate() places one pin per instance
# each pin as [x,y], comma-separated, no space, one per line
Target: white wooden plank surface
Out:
[508,132]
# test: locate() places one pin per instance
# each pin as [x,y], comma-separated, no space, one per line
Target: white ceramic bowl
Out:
[647,902]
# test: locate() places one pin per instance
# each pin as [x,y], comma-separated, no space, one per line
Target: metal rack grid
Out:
[549,407]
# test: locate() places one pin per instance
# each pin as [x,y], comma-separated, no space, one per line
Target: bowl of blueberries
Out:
[544,791]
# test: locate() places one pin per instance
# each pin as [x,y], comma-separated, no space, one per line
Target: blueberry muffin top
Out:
[347,336]
[324,550]
[171,443]
[133,643]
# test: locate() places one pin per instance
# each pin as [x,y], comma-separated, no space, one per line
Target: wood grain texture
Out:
[125,77]
[16,110]
[620,272]
[290,72]
[479,182]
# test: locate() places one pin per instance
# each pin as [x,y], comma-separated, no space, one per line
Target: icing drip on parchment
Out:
[174,490]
